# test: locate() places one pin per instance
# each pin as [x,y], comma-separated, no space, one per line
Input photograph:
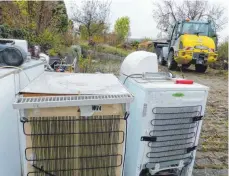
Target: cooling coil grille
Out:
[67,146]
[174,131]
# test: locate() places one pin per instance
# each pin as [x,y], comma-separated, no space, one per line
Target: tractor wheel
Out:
[200,68]
[161,61]
[185,66]
[172,65]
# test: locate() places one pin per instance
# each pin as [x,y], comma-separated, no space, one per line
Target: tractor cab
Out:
[197,28]
[193,28]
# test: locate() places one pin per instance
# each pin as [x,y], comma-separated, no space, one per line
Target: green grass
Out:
[84,45]
[105,66]
[113,50]
[106,49]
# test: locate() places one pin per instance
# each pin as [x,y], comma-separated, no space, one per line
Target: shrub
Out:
[223,51]
[222,61]
[84,64]
[7,32]
[50,40]
[52,52]
[69,39]
[135,44]
[85,46]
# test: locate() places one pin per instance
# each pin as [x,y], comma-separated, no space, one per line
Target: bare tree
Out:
[167,12]
[93,15]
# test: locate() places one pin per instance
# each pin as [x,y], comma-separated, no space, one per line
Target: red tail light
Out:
[184,81]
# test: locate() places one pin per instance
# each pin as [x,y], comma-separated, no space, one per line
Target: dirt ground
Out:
[212,155]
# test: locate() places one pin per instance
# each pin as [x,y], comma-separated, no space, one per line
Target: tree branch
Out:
[169,3]
[166,12]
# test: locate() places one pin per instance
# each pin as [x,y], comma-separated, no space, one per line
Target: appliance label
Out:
[178,94]
[96,108]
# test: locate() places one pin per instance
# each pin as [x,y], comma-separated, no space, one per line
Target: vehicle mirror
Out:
[168,40]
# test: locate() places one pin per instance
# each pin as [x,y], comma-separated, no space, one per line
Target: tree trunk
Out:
[1,16]
[30,11]
[40,17]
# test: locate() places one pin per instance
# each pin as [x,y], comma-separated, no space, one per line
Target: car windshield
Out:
[196,28]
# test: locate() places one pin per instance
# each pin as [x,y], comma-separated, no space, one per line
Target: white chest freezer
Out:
[164,123]
[73,124]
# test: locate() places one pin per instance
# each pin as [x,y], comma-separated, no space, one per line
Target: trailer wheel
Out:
[200,68]
[172,65]
[161,60]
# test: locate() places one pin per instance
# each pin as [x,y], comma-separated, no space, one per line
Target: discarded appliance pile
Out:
[92,125]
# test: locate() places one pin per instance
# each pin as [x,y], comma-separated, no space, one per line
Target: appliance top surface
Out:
[7,71]
[75,84]
[167,84]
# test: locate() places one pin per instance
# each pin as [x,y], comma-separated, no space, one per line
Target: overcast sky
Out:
[142,23]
